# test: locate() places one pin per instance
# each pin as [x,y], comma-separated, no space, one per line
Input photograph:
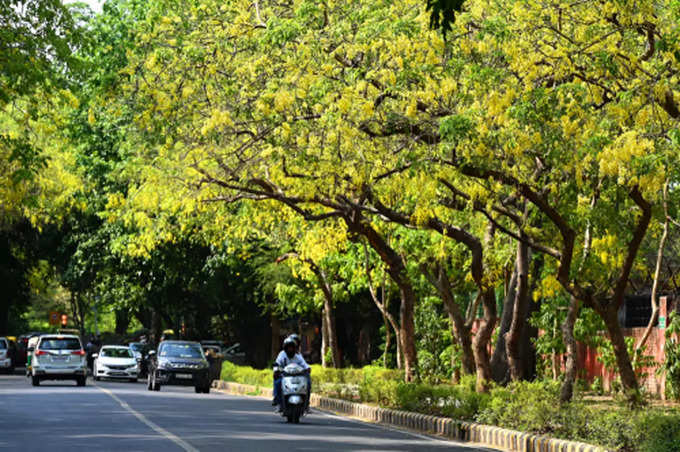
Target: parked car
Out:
[178,363]
[235,354]
[6,355]
[58,357]
[115,361]
[212,349]
[141,352]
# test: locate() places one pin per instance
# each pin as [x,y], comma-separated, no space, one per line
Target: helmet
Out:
[296,338]
[289,346]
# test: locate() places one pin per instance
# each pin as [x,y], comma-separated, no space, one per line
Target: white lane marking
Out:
[158,429]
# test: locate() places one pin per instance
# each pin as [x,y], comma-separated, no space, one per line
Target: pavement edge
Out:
[482,435]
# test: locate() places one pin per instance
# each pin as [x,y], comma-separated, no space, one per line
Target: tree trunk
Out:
[530,332]
[156,327]
[324,341]
[628,378]
[480,343]
[567,389]
[460,331]
[388,339]
[407,331]
[4,315]
[331,331]
[122,321]
[519,314]
[275,325]
[499,358]
[657,271]
[396,268]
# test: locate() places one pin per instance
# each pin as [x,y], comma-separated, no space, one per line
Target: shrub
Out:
[441,400]
[660,432]
[245,375]
[524,406]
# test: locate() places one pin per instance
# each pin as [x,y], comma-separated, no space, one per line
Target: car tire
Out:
[81,381]
[206,390]
[198,389]
[133,380]
[35,381]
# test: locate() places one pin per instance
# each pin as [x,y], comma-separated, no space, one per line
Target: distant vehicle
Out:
[215,349]
[140,350]
[22,347]
[115,361]
[220,344]
[71,331]
[58,357]
[178,363]
[30,348]
[6,355]
[235,354]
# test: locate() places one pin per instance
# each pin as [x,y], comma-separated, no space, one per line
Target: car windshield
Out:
[66,343]
[181,351]
[116,353]
[3,344]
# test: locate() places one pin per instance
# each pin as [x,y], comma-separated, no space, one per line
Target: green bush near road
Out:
[525,406]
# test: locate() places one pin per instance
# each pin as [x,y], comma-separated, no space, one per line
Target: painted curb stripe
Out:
[484,435]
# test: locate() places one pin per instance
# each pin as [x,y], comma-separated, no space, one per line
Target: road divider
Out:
[483,435]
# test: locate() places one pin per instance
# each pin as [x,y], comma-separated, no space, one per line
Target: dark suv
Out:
[178,363]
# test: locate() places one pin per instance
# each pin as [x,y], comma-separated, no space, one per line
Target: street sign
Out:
[54,318]
[662,322]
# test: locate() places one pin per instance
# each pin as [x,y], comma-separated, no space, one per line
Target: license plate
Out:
[184,376]
[59,359]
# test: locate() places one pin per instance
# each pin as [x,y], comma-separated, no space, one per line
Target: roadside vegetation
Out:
[522,406]
[455,193]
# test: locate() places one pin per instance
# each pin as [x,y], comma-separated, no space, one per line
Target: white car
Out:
[115,361]
[5,357]
[59,357]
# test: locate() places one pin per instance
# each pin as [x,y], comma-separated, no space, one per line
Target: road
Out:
[58,416]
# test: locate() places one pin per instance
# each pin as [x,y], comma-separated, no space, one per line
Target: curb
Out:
[483,435]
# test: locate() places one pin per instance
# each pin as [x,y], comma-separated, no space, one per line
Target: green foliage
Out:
[640,360]
[671,364]
[433,340]
[245,375]
[659,432]
[443,13]
[524,406]
[457,402]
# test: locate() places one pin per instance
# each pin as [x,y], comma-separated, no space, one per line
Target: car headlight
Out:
[133,367]
[164,364]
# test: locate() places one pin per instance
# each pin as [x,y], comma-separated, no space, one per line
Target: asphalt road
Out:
[58,416]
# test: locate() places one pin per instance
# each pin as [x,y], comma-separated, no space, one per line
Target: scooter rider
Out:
[289,355]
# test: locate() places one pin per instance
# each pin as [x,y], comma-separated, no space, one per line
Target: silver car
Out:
[59,357]
[6,362]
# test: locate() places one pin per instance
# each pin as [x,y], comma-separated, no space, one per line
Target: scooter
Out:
[294,392]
